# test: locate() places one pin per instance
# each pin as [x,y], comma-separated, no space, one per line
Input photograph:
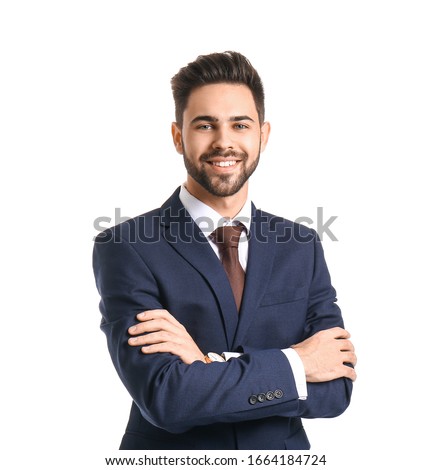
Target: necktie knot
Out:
[228,236]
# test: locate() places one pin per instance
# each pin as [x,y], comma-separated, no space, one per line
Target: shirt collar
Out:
[207,219]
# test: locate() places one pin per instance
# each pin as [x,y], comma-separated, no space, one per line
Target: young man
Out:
[221,319]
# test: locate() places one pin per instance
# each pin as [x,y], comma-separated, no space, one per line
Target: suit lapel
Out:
[184,236]
[261,253]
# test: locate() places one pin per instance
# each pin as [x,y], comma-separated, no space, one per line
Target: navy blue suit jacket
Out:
[161,260]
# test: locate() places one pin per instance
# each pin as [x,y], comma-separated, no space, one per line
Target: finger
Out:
[149,314]
[156,314]
[137,329]
[340,333]
[350,373]
[142,317]
[345,345]
[167,347]
[141,328]
[154,325]
[152,338]
[350,358]
[336,332]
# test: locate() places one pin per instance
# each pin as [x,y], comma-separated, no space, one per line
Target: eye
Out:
[241,126]
[205,127]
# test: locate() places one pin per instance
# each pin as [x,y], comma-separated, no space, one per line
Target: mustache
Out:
[218,153]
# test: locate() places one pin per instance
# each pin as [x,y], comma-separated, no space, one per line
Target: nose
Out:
[223,139]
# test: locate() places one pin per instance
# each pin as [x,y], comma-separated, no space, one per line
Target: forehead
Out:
[221,100]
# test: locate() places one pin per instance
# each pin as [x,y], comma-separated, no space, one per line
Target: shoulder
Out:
[144,227]
[284,229]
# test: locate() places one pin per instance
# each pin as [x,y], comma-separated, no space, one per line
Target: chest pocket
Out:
[289,294]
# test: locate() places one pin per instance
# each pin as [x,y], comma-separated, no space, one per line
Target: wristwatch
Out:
[214,357]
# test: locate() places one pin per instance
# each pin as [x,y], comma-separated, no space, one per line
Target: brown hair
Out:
[219,67]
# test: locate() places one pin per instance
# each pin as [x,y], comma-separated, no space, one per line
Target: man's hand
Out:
[325,355]
[160,332]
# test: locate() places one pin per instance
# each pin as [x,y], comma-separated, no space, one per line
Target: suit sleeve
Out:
[170,394]
[325,399]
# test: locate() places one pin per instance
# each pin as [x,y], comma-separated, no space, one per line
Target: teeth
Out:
[228,163]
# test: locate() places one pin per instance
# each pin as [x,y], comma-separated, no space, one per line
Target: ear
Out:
[176,136]
[265,130]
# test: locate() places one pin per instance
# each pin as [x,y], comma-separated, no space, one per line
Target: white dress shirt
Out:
[207,219]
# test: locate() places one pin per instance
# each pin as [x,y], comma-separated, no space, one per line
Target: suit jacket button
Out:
[252,400]
[270,396]
[278,393]
[261,397]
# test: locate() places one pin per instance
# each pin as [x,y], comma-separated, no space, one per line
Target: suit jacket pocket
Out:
[289,294]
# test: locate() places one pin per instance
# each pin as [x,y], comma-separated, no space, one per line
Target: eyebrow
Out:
[208,118]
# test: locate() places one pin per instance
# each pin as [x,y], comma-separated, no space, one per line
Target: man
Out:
[208,274]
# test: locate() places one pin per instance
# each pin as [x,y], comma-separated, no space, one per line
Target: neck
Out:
[228,207]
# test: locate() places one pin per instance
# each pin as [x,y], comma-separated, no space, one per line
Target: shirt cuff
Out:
[229,355]
[298,372]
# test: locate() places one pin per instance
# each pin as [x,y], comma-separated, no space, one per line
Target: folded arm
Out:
[168,380]
[327,354]
[169,393]
[327,357]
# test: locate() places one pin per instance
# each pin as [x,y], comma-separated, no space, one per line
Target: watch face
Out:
[215,357]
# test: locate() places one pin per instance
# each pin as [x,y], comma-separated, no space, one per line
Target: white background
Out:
[85,111]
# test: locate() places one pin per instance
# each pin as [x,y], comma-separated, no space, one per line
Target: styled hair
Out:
[219,67]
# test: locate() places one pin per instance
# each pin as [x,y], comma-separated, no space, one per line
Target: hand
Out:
[160,332]
[325,355]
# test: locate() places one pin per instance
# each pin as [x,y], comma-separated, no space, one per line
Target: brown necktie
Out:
[227,240]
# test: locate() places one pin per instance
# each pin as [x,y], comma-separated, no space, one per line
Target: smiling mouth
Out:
[225,163]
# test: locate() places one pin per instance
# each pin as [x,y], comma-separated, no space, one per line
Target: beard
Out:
[221,185]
